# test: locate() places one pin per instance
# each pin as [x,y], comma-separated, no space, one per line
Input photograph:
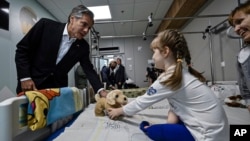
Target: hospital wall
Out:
[10,38]
[217,54]
[136,51]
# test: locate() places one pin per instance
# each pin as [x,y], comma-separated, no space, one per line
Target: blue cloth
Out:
[61,106]
[166,132]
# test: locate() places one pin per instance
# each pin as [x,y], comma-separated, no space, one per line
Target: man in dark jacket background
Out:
[120,74]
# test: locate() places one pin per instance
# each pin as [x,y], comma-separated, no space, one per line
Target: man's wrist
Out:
[100,90]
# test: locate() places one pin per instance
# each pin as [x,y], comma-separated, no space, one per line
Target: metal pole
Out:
[130,36]
[98,54]
[169,18]
[221,23]
[211,56]
[87,90]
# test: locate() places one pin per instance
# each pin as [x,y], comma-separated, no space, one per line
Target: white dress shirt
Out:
[65,44]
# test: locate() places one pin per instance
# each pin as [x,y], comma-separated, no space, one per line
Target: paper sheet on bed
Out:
[87,127]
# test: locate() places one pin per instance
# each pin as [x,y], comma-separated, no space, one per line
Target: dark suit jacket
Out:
[110,77]
[37,52]
[120,74]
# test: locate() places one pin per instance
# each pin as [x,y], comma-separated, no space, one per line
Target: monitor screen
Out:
[4,14]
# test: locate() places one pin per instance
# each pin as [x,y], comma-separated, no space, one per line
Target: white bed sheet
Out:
[87,127]
[237,116]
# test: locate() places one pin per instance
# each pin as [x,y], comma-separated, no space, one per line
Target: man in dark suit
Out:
[120,74]
[50,49]
[111,74]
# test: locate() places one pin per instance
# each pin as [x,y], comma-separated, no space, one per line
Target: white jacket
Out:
[194,103]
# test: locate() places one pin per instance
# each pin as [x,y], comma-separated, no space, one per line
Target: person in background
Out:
[240,20]
[111,75]
[195,113]
[151,74]
[80,78]
[120,75]
[104,75]
[50,49]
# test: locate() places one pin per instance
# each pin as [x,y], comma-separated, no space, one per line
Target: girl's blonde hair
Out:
[178,45]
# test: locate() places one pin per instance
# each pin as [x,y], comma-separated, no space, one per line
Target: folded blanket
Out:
[49,105]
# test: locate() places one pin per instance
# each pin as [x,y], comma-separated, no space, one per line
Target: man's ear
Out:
[71,19]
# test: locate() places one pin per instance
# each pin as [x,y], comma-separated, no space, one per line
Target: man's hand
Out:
[112,87]
[103,93]
[28,85]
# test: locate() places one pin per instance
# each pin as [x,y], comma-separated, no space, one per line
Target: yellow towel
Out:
[39,106]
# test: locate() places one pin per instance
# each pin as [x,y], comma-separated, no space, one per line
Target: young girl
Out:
[195,112]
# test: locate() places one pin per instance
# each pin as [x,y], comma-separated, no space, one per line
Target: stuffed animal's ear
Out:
[111,98]
[97,97]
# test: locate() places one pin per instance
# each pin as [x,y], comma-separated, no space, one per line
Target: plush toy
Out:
[235,101]
[114,99]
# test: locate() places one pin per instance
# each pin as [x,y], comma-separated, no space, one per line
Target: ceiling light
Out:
[6,10]
[101,12]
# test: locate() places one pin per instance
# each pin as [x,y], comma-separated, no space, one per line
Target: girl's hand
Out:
[114,113]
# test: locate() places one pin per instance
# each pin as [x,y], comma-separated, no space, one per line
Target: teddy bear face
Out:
[121,99]
[117,97]
[114,99]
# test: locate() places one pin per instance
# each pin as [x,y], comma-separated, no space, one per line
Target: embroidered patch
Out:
[151,91]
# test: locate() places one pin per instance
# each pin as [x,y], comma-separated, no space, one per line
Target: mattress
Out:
[87,127]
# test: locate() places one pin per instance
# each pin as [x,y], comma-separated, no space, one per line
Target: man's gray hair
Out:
[79,11]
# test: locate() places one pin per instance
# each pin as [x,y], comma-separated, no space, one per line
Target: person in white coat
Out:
[196,114]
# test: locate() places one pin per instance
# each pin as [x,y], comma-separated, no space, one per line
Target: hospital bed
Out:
[87,127]
[13,118]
